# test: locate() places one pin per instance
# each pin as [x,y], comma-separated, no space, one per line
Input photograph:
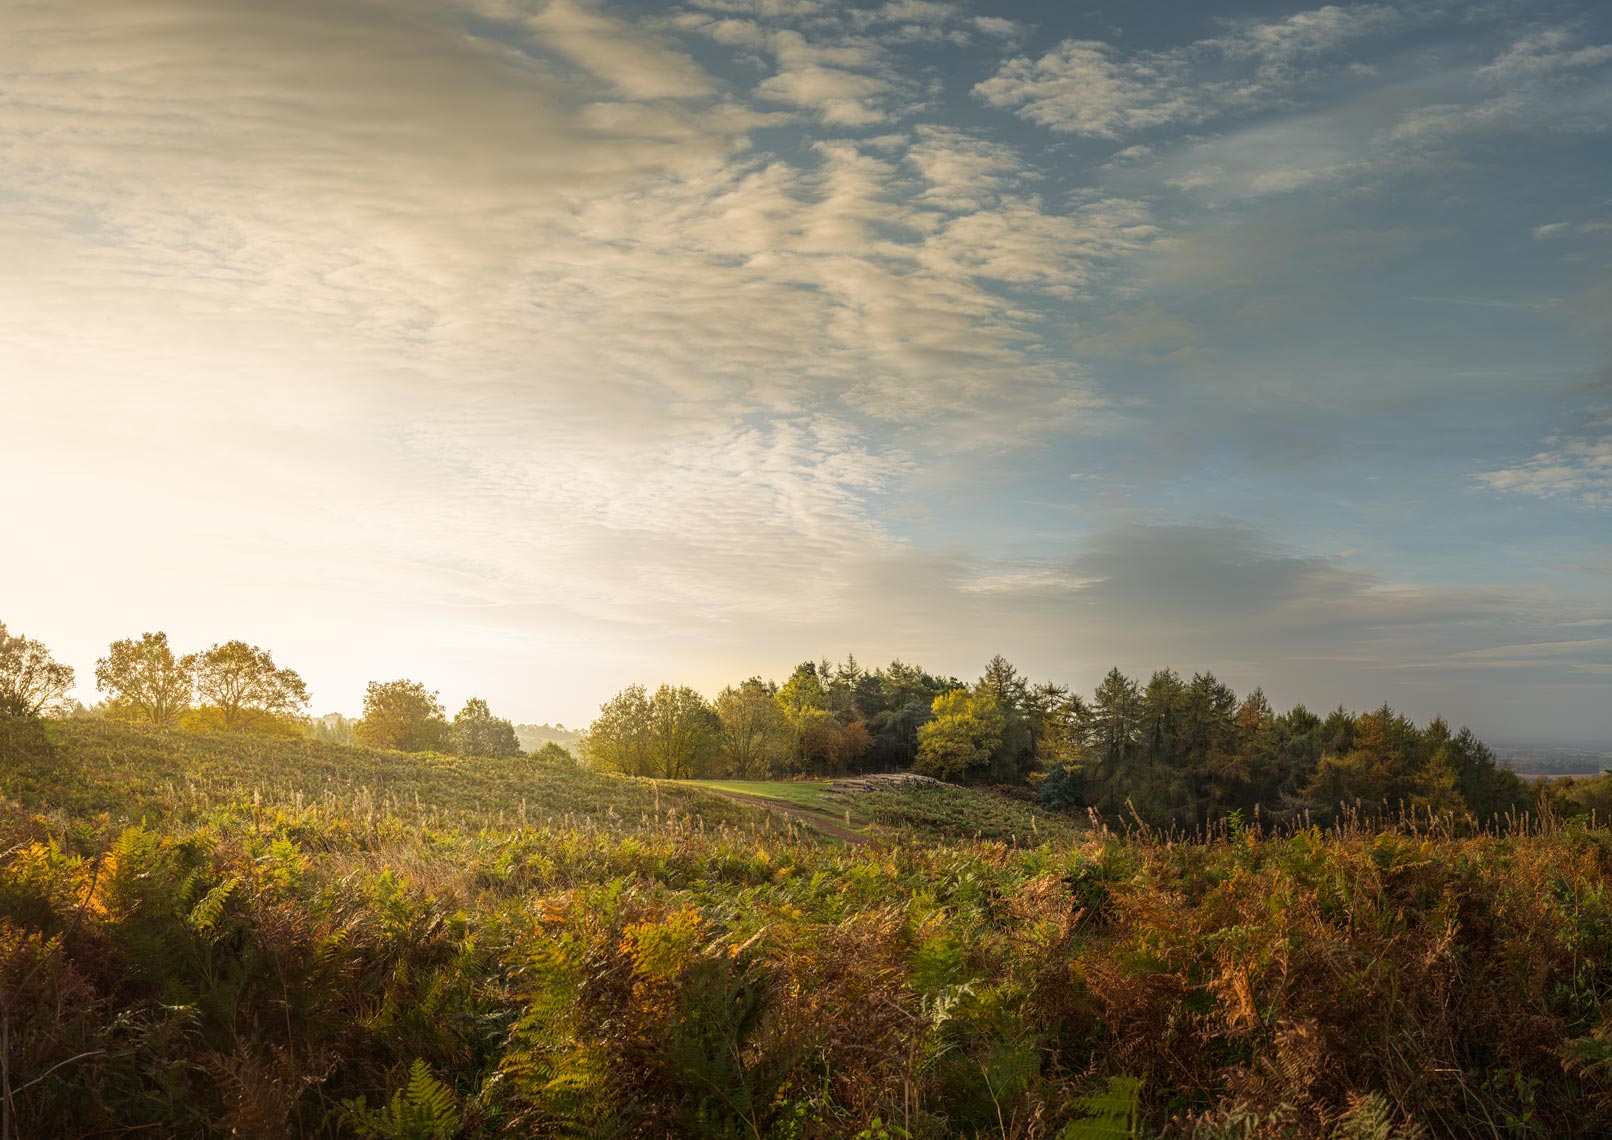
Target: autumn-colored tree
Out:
[817,743]
[31,681]
[619,738]
[675,734]
[1378,769]
[477,732]
[853,745]
[685,733]
[805,692]
[239,688]
[957,745]
[755,732]
[404,715]
[144,681]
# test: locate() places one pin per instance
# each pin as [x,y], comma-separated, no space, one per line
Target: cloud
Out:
[1309,33]
[614,50]
[839,97]
[495,317]
[632,243]
[1226,597]
[1561,229]
[1000,28]
[547,346]
[1088,87]
[962,171]
[1544,52]
[1402,122]
[842,65]
[843,80]
[1574,467]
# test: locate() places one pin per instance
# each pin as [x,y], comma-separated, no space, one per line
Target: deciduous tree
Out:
[240,687]
[404,715]
[619,738]
[477,732]
[144,681]
[685,733]
[31,681]
[958,744]
[755,733]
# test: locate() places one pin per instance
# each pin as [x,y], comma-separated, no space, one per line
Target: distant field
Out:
[938,814]
[810,802]
[802,793]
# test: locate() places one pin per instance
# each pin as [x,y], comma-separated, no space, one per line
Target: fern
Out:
[423,1109]
[1111,1114]
[1370,1117]
[205,914]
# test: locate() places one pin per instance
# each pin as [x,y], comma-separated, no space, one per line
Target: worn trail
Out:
[816,820]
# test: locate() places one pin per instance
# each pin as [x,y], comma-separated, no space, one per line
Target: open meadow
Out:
[235,935]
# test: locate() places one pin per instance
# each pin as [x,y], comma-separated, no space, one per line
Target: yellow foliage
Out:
[209,718]
[660,950]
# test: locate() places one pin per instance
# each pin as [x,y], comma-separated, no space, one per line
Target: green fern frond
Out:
[423,1109]
[1371,1117]
[1111,1114]
[205,914]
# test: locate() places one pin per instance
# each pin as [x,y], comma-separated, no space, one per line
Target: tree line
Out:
[236,687]
[1170,751]
[824,719]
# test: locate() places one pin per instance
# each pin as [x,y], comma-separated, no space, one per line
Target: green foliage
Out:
[477,732]
[1108,1114]
[553,753]
[86,767]
[824,720]
[244,688]
[144,681]
[674,734]
[31,681]
[402,715]
[1186,754]
[959,743]
[1370,1117]
[964,813]
[423,1109]
[755,731]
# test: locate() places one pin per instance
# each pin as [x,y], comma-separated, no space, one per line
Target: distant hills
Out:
[534,736]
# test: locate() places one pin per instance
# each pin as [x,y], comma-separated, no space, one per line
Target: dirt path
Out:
[815,820]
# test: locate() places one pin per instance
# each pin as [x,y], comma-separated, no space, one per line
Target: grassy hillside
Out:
[332,957]
[84,767]
[895,813]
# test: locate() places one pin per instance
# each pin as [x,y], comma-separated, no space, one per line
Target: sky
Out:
[530,349]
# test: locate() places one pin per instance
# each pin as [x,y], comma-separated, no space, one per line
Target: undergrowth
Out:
[276,960]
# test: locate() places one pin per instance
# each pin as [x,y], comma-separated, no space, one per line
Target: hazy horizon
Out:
[532,349]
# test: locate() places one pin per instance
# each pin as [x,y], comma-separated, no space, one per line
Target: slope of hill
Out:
[234,936]
[87,766]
